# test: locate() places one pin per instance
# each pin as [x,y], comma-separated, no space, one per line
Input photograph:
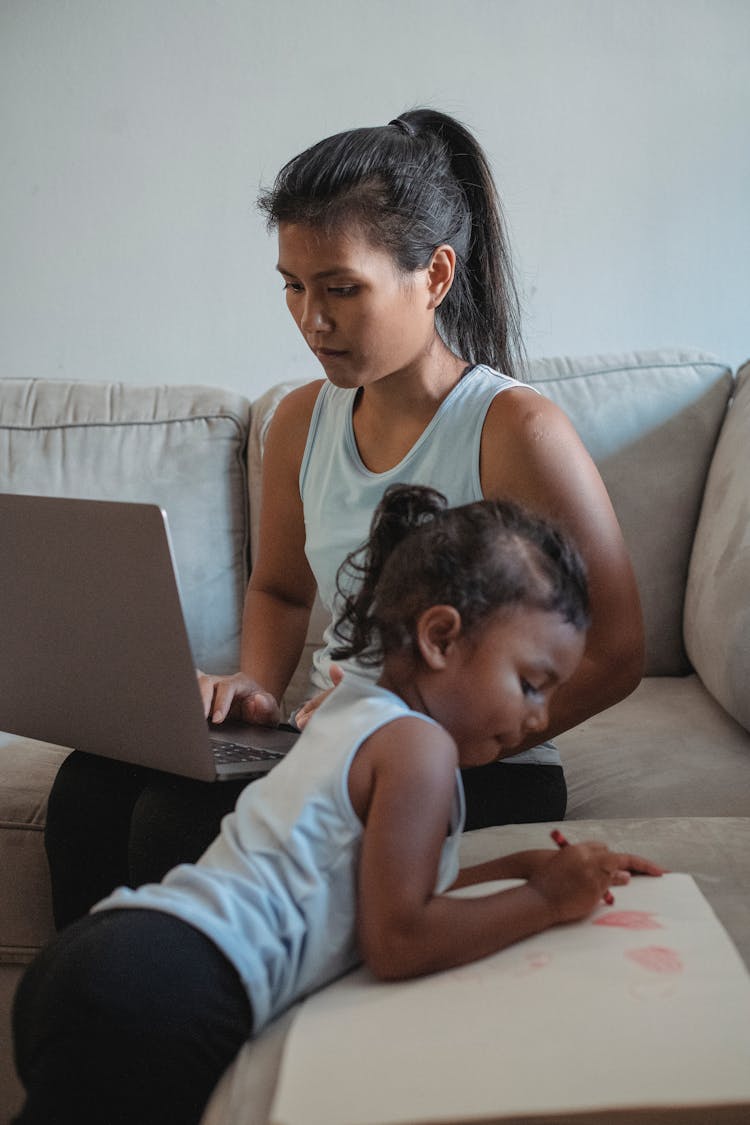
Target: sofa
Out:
[665,772]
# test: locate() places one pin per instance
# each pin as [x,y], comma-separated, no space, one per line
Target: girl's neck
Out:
[399,675]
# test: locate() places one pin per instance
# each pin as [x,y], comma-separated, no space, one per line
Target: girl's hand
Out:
[306,711]
[575,879]
[237,697]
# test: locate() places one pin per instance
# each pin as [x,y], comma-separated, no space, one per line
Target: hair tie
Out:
[404,127]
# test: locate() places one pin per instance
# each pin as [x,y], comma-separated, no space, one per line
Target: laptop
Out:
[94,652]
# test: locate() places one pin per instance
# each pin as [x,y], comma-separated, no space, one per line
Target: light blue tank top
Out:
[339,493]
[277,890]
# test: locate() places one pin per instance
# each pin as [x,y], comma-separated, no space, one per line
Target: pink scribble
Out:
[657,959]
[629,920]
[532,963]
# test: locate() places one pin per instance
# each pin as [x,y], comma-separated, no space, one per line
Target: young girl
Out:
[395,268]
[343,852]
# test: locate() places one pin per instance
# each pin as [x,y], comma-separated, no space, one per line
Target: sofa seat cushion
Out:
[27,770]
[669,749]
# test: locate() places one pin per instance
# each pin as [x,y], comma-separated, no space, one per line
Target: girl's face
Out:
[361,316]
[497,687]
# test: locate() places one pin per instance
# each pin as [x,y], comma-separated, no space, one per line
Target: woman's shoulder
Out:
[291,418]
[300,402]
[523,413]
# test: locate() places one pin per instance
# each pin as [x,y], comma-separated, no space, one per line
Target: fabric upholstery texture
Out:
[669,749]
[650,422]
[717,601]
[182,448]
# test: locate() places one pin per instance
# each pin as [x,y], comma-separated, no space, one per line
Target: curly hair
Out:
[479,557]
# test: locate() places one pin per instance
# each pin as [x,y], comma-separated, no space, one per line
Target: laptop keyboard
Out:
[226,753]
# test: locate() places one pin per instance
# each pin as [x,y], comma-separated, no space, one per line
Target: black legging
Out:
[110,824]
[129,1016]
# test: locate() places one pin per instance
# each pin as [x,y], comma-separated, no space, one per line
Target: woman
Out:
[396,270]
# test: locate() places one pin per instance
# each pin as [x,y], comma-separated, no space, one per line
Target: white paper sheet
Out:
[643,1004]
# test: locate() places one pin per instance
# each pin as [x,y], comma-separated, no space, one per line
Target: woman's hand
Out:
[306,711]
[237,697]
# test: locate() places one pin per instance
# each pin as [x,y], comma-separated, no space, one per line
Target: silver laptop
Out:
[94,653]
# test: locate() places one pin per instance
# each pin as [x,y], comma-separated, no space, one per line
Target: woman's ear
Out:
[440,274]
[438,629]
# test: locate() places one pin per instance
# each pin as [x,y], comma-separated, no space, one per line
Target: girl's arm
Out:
[402,783]
[282,588]
[532,454]
[524,865]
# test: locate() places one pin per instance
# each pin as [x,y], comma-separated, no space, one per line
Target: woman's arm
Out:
[532,454]
[282,587]
[402,783]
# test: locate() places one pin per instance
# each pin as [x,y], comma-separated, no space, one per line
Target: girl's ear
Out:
[438,629]
[440,274]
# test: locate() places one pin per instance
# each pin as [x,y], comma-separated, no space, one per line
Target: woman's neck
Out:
[420,387]
[392,413]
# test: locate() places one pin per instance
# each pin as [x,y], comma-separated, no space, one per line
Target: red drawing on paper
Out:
[629,920]
[656,958]
[532,963]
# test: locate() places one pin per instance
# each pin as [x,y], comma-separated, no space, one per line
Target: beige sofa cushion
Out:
[650,420]
[717,606]
[669,749]
[180,447]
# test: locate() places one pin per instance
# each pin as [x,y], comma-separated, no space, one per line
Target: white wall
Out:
[134,135]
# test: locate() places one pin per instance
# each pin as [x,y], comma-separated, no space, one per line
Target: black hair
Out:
[477,558]
[411,186]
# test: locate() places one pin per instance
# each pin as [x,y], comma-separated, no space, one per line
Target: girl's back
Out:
[276,891]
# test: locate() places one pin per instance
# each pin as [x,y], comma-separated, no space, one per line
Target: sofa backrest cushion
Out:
[717,606]
[180,447]
[650,420]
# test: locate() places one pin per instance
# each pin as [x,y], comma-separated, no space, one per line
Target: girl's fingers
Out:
[638,864]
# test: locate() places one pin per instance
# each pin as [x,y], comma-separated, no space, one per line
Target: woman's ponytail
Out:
[481,314]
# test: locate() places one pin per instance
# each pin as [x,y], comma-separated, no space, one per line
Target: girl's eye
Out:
[529,689]
[292,287]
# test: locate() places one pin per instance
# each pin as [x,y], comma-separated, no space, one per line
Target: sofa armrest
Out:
[717,602]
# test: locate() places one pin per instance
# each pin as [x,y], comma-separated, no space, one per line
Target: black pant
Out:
[110,824]
[129,1017]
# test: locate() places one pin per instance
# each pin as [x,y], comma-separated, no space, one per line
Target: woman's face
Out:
[362,317]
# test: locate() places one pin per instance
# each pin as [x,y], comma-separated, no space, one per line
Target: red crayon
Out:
[561,842]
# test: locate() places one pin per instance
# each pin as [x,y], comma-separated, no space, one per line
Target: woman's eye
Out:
[292,287]
[343,290]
